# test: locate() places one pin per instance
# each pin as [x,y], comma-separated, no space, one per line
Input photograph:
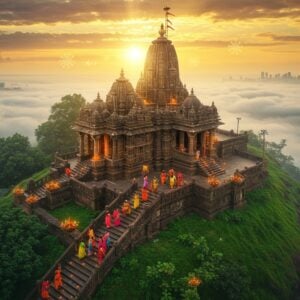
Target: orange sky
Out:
[215,37]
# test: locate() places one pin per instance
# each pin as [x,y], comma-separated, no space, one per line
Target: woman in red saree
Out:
[116,217]
[144,195]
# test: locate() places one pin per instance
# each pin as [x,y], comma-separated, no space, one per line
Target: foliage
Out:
[82,214]
[56,133]
[233,281]
[260,246]
[20,236]
[18,159]
[275,151]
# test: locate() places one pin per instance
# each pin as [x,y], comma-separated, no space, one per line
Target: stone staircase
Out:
[82,170]
[76,273]
[41,191]
[209,166]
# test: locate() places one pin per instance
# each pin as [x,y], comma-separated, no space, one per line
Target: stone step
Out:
[70,285]
[83,264]
[54,294]
[82,277]
[60,293]
[76,265]
[73,277]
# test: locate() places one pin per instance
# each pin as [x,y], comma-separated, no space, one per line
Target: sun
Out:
[135,54]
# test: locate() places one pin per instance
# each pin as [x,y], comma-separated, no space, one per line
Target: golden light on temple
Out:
[18,191]
[237,178]
[215,140]
[145,169]
[69,224]
[173,101]
[213,181]
[32,199]
[147,102]
[194,281]
[96,157]
[52,185]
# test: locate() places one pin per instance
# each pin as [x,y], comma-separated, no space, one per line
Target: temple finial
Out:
[98,96]
[122,73]
[192,91]
[162,31]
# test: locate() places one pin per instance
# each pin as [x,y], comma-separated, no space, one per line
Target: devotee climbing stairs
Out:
[77,273]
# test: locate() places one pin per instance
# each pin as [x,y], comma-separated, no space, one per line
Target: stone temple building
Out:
[159,123]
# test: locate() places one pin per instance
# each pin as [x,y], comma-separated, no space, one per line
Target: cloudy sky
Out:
[35,35]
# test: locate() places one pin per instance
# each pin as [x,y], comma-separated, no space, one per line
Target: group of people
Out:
[104,243]
[113,219]
[169,177]
[57,284]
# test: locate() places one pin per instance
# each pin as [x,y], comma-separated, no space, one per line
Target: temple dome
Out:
[121,97]
[97,105]
[160,80]
[191,101]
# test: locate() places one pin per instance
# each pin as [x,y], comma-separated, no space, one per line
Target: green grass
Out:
[264,236]
[79,213]
[7,199]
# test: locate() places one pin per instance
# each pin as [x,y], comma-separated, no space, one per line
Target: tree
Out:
[233,281]
[56,134]
[18,159]
[20,246]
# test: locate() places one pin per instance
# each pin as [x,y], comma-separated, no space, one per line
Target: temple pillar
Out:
[211,142]
[191,143]
[81,146]
[89,143]
[106,145]
[203,143]
[96,148]
[114,147]
[181,140]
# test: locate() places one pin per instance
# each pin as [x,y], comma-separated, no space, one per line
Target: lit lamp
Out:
[69,224]
[213,181]
[194,281]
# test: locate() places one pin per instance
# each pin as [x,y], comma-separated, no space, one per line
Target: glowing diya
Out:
[31,199]
[194,281]
[69,224]
[18,191]
[237,178]
[52,185]
[213,181]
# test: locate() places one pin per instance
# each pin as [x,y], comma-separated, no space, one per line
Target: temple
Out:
[136,135]
[159,123]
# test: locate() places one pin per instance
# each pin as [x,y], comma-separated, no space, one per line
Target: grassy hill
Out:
[264,237]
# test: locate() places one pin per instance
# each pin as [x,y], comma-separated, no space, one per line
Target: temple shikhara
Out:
[159,123]
[146,155]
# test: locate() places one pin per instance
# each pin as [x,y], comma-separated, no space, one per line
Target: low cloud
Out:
[282,38]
